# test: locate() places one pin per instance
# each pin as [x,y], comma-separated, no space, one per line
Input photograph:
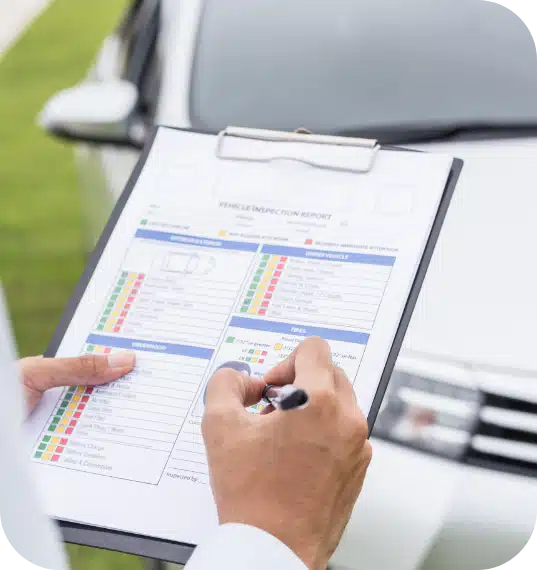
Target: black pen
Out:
[286,397]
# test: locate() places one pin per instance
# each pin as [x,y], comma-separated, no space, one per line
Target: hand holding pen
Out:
[258,462]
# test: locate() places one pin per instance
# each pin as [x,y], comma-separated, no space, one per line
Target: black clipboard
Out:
[176,552]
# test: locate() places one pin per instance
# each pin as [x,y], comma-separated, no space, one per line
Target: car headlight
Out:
[427,414]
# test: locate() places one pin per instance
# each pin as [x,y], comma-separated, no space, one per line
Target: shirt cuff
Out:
[243,547]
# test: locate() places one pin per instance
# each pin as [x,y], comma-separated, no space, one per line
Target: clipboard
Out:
[176,552]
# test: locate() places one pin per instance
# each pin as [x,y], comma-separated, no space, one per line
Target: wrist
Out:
[300,541]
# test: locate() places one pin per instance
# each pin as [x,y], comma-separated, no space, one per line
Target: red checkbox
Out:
[116,329]
[59,449]
[138,284]
[264,353]
[308,242]
[55,458]
[279,268]
[261,360]
[63,441]
[127,306]
[141,276]
[123,314]
[119,322]
[134,292]
[268,296]
[69,431]
[130,300]
[81,406]
[77,415]
[72,423]
[89,390]
[85,399]
[284,259]
[277,274]
[107,350]
[271,289]
[273,282]
[262,312]
[265,304]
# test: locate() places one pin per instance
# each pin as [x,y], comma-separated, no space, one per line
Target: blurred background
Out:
[458,430]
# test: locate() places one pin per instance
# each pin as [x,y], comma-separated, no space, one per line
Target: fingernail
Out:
[245,373]
[121,360]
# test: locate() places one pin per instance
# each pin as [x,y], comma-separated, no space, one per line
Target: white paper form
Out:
[216,261]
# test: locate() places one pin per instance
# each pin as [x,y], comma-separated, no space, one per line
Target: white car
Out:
[453,480]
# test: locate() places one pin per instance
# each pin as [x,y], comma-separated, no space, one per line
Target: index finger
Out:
[309,366]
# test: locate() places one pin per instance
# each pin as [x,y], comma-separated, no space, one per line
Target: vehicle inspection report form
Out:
[226,249]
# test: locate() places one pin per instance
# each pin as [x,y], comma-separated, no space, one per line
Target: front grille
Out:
[505,435]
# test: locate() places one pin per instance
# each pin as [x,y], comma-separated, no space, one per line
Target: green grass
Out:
[41,254]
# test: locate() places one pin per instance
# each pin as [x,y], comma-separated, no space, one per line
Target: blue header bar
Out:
[299,330]
[149,346]
[321,255]
[196,241]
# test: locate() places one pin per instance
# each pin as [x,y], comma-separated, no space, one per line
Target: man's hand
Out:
[40,374]
[295,474]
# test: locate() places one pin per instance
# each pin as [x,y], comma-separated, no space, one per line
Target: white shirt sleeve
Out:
[243,547]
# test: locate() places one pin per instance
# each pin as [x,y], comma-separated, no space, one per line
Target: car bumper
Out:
[421,511]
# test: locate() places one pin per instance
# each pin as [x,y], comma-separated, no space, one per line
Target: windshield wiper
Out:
[426,133]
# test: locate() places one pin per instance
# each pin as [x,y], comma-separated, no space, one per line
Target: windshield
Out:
[373,67]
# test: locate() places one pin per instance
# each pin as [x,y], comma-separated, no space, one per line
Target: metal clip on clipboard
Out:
[370,146]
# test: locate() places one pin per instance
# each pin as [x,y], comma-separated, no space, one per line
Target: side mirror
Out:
[95,112]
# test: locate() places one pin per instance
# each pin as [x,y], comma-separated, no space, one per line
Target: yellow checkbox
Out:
[115,313]
[265,283]
[278,346]
[258,296]
[108,328]
[51,447]
[256,304]
[46,456]
[125,292]
[72,406]
[76,398]
[271,265]
[68,413]
[60,429]
[55,440]
[128,285]
[63,422]
[252,311]
[132,275]
[254,360]
[222,233]
[81,389]
[121,300]
[258,352]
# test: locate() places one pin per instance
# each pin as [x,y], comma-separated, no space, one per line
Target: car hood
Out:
[478,303]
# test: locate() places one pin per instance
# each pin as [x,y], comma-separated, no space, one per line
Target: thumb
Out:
[230,390]
[88,370]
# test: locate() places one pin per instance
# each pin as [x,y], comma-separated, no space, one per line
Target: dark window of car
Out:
[378,67]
